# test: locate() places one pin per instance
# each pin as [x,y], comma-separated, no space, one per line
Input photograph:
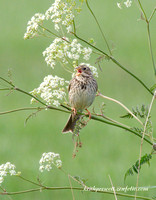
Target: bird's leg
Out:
[74,111]
[89,114]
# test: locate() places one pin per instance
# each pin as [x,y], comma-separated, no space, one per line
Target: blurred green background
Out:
[106,150]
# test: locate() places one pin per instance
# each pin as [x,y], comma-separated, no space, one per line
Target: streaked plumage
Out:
[82,91]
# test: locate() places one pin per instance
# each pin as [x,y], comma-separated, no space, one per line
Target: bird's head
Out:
[83,70]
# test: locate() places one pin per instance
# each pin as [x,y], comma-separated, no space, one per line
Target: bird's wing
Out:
[69,86]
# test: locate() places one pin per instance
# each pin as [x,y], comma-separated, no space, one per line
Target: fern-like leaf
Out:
[138,130]
[135,168]
[141,112]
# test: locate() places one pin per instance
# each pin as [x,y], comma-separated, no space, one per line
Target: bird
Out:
[81,91]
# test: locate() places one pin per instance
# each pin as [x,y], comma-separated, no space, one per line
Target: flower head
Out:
[64,50]
[33,25]
[128,3]
[119,5]
[48,160]
[6,169]
[52,90]
[62,13]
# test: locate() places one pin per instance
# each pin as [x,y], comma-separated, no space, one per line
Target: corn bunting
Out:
[82,91]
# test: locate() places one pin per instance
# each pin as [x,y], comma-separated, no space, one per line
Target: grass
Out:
[106,150]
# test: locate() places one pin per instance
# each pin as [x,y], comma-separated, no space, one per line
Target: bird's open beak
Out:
[79,71]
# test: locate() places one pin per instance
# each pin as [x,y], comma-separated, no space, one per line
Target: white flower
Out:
[61,14]
[87,52]
[64,49]
[52,90]
[128,3]
[33,25]
[6,169]
[58,163]
[119,5]
[49,159]
[56,103]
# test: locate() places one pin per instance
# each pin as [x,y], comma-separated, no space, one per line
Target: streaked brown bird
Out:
[82,91]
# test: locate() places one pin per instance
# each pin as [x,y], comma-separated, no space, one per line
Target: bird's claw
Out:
[74,111]
[89,114]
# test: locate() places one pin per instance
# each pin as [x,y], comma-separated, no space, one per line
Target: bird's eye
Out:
[84,68]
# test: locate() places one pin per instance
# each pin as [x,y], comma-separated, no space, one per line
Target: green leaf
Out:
[153,88]
[128,115]
[135,168]
[31,116]
[80,179]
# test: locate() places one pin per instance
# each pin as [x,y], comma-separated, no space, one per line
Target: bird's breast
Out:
[82,95]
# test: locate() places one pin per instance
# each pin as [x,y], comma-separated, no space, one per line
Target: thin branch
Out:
[122,105]
[148,31]
[150,47]
[142,139]
[110,119]
[122,127]
[143,11]
[74,188]
[21,109]
[114,61]
[32,182]
[9,82]
[113,188]
[54,34]
[150,18]
[1,89]
[71,187]
[99,27]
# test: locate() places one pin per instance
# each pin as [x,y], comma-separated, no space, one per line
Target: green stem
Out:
[99,26]
[143,11]
[150,46]
[115,61]
[54,34]
[142,139]
[63,38]
[9,82]
[1,89]
[21,109]
[152,15]
[32,182]
[74,188]
[27,93]
[148,31]
[122,127]
[121,104]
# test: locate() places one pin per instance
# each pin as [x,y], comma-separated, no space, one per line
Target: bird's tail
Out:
[70,126]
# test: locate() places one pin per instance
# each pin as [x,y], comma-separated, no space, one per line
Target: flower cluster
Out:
[33,25]
[52,90]
[64,49]
[127,3]
[6,169]
[49,159]
[61,14]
